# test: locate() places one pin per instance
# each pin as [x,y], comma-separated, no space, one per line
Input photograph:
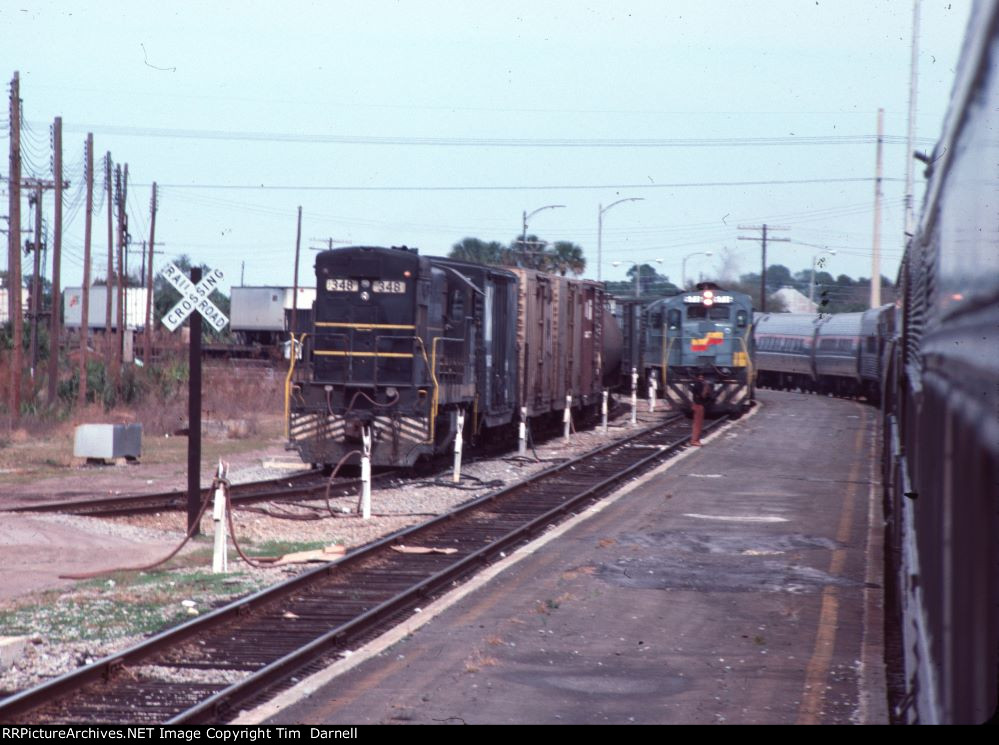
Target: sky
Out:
[421,123]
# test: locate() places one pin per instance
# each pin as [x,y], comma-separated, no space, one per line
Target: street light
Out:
[523,235]
[600,227]
[811,283]
[638,271]
[683,266]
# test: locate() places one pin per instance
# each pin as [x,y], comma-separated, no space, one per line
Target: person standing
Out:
[701,393]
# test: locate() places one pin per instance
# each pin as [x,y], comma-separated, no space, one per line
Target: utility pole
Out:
[107,288]
[36,284]
[88,226]
[14,246]
[40,186]
[294,292]
[763,273]
[876,255]
[910,142]
[148,328]
[55,321]
[121,186]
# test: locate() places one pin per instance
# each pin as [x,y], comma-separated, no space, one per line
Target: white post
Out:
[652,393]
[457,447]
[567,417]
[220,559]
[522,432]
[603,413]
[634,396]
[366,473]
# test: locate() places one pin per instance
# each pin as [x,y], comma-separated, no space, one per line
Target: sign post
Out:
[194,294]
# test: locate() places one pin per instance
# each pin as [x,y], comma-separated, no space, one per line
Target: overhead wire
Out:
[409,140]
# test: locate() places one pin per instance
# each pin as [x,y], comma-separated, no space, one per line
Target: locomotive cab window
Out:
[696,312]
[741,318]
[674,318]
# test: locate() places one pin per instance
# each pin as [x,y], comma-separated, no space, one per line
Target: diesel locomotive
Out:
[704,331]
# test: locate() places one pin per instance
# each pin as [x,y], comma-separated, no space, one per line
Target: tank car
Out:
[709,331]
[941,425]
[402,344]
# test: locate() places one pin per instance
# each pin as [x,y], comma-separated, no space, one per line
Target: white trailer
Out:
[135,307]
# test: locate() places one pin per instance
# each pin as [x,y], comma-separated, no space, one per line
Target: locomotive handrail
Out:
[749,359]
[433,376]
[287,385]
[665,360]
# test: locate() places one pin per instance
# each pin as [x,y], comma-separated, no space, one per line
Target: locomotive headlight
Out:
[365,284]
[365,295]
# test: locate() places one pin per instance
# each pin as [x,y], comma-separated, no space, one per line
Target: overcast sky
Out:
[420,123]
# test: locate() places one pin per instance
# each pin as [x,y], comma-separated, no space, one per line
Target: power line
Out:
[229,135]
[548,187]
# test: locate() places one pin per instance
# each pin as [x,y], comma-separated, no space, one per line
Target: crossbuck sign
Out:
[194,297]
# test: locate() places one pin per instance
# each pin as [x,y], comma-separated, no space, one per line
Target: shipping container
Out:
[135,307]
[256,309]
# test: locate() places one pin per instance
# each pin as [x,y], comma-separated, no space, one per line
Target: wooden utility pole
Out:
[120,187]
[55,321]
[876,254]
[107,289]
[40,186]
[14,247]
[294,294]
[36,283]
[85,309]
[148,328]
[765,237]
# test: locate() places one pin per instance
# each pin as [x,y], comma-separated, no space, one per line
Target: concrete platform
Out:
[739,585]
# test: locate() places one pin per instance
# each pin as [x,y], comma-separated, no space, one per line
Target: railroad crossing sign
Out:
[194,297]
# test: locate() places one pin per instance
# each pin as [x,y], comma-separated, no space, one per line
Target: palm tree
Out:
[478,251]
[566,256]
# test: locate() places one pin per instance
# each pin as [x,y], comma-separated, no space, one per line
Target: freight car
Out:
[941,449]
[707,330]
[405,346]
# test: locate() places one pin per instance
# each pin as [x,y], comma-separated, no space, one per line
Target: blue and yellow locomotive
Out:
[707,330]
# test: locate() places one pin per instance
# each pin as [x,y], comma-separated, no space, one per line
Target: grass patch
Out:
[280,548]
[124,604]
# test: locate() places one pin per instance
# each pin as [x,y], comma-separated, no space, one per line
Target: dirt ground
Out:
[36,549]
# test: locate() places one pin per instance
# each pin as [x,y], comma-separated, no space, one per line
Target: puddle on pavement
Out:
[747,543]
[716,573]
[726,561]
[607,684]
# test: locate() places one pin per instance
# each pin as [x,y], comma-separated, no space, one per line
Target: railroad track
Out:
[310,483]
[241,651]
